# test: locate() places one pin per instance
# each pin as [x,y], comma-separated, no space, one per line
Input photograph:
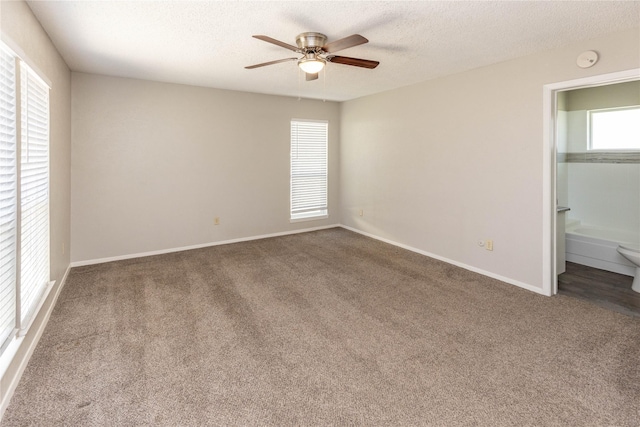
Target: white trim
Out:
[450,261]
[25,58]
[306,230]
[549,91]
[549,267]
[310,120]
[203,245]
[12,349]
[309,218]
[34,313]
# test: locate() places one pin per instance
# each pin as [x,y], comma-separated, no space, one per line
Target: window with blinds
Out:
[24,194]
[34,191]
[308,169]
[8,194]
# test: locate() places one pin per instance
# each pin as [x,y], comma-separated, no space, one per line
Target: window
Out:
[614,129]
[8,192]
[24,194]
[308,169]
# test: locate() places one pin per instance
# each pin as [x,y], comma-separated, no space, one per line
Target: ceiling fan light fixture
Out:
[311,65]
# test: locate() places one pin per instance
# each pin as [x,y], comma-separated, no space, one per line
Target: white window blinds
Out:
[8,194]
[308,169]
[24,195]
[34,191]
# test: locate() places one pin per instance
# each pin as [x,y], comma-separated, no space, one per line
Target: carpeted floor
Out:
[323,328]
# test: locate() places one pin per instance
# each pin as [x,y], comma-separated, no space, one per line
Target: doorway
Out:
[549,221]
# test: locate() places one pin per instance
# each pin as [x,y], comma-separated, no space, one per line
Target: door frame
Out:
[549,164]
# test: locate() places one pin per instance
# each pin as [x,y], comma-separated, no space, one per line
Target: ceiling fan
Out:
[316,52]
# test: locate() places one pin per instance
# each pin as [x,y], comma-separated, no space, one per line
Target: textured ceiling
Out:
[209,43]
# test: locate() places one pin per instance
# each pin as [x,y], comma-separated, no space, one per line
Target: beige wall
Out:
[154,163]
[609,96]
[439,165]
[21,29]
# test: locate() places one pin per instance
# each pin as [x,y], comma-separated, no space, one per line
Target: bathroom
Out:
[600,184]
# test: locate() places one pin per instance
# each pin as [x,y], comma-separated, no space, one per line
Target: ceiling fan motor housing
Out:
[311,41]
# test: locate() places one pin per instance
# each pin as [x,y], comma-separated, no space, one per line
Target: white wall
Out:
[601,194]
[439,165]
[154,163]
[22,31]
[605,195]
[577,123]
[608,96]
[562,178]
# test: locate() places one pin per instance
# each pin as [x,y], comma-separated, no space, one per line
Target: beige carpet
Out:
[323,328]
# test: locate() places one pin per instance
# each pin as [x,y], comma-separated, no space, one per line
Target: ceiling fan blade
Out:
[311,76]
[250,67]
[277,43]
[353,40]
[356,62]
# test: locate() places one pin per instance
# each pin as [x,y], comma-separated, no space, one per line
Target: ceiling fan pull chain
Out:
[299,83]
[324,84]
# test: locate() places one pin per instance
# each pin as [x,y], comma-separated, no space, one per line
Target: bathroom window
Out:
[614,129]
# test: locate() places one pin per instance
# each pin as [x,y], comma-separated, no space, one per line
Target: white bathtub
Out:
[596,247]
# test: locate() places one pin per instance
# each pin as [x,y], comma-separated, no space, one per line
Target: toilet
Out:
[632,253]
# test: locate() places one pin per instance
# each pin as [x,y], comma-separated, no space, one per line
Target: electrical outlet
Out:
[361,212]
[489,245]
[216,220]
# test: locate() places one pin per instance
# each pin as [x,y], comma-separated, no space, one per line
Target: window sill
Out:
[9,353]
[309,218]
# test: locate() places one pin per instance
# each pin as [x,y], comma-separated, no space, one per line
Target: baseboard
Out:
[614,267]
[22,363]
[450,261]
[306,230]
[203,245]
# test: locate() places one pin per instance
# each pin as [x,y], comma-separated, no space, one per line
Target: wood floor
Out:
[603,288]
